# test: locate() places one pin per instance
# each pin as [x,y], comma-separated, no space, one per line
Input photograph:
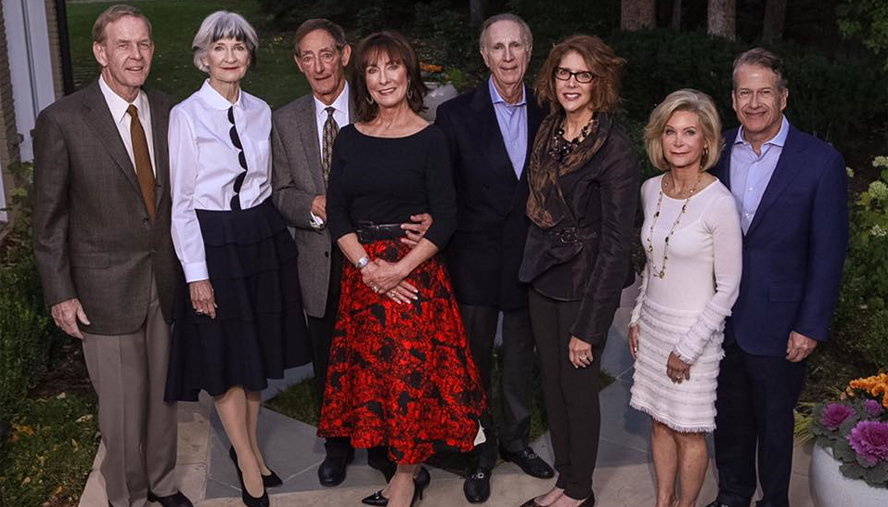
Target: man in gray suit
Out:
[302,144]
[106,259]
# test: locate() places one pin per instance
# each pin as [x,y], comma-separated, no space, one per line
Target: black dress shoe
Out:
[332,470]
[477,485]
[268,481]
[420,482]
[177,499]
[717,504]
[528,460]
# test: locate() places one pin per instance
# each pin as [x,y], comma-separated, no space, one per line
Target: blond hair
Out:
[693,101]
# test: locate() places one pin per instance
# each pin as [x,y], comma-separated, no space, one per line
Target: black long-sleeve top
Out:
[385,180]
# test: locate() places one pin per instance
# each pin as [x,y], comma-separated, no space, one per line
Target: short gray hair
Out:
[223,25]
[112,14]
[762,58]
[505,16]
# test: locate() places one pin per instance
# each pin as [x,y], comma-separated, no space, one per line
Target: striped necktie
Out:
[331,129]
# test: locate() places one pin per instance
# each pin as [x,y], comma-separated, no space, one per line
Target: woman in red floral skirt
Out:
[401,374]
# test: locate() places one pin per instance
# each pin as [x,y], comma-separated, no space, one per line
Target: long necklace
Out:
[661,272]
[561,147]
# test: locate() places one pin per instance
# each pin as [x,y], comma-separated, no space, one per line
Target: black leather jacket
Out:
[586,255]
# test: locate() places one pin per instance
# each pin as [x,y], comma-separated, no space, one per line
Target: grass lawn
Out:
[47,458]
[274,79]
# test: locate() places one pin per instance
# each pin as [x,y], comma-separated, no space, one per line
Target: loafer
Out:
[477,485]
[332,470]
[528,461]
[177,499]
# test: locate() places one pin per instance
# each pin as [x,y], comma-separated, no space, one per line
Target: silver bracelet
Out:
[362,262]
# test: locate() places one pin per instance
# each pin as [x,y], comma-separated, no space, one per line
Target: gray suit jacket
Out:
[92,236]
[297,178]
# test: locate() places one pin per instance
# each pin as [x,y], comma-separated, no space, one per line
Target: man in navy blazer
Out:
[790,189]
[490,132]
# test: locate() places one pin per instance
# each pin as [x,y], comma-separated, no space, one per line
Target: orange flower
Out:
[428,67]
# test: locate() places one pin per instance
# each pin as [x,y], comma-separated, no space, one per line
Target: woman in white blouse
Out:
[240,320]
[691,236]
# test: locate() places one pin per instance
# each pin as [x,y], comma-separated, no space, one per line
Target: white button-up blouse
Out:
[204,164]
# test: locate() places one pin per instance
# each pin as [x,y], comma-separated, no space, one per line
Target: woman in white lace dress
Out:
[692,239]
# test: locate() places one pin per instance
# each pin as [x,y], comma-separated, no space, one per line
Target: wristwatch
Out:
[362,262]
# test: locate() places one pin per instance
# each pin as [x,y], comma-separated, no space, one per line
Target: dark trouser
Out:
[571,394]
[756,398]
[321,331]
[517,376]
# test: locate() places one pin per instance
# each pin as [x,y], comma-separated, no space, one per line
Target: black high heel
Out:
[269,481]
[417,490]
[420,482]
[248,499]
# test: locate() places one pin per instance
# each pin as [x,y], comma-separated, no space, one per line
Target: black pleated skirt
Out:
[259,329]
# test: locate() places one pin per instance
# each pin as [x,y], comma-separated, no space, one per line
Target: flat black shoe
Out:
[269,481]
[252,501]
[528,461]
[420,482]
[332,470]
[477,485]
[177,499]
[717,504]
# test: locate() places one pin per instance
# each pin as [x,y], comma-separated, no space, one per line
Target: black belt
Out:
[569,235]
[368,232]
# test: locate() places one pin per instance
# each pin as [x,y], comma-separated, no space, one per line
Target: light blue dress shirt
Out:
[751,172]
[512,120]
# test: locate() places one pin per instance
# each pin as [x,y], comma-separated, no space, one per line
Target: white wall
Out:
[30,66]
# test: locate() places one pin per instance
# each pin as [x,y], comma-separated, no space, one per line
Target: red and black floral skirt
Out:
[401,375]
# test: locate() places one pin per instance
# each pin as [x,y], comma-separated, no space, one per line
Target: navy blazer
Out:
[794,250]
[485,252]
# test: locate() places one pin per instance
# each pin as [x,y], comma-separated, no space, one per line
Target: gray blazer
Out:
[92,236]
[297,178]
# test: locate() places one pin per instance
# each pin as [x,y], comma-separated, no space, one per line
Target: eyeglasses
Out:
[583,76]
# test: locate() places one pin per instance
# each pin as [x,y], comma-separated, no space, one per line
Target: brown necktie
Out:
[144,172]
[331,129]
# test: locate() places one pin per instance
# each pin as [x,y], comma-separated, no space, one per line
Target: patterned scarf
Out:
[546,204]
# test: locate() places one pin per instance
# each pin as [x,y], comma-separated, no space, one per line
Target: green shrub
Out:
[27,333]
[860,325]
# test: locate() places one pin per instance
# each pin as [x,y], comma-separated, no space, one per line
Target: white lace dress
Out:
[684,310]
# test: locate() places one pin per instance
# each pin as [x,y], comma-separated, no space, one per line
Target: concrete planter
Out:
[438,94]
[832,489]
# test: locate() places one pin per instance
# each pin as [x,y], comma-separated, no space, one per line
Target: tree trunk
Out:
[638,14]
[722,18]
[676,15]
[476,12]
[775,15]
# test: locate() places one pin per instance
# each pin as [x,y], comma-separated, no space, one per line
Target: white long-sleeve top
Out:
[204,165]
[704,264]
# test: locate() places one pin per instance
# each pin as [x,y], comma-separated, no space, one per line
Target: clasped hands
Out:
[388,278]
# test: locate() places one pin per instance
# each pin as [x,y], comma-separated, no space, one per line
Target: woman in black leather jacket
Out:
[584,178]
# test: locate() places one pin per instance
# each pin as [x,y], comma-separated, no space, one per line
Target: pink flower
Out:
[834,415]
[870,440]
[873,408]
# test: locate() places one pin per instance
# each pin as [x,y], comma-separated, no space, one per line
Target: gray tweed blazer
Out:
[297,178]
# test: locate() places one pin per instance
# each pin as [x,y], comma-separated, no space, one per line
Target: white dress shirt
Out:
[340,115]
[123,120]
[204,165]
